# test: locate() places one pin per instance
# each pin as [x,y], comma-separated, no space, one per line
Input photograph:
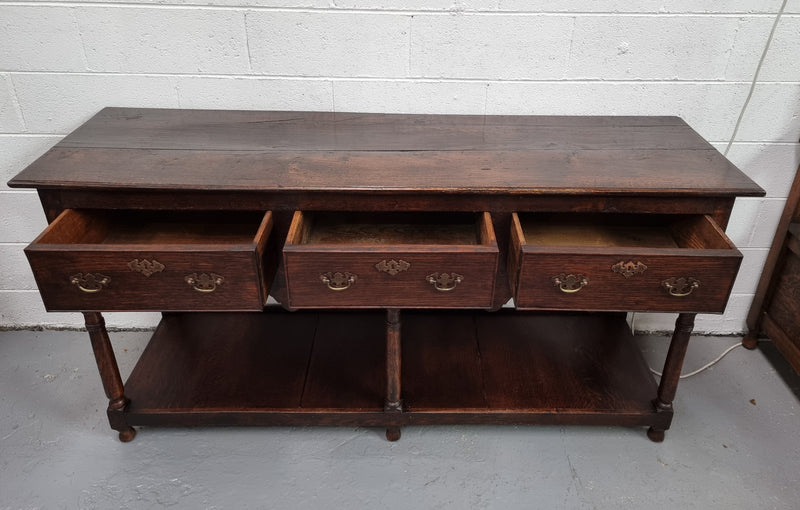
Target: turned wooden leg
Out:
[750,340]
[394,403]
[672,370]
[109,374]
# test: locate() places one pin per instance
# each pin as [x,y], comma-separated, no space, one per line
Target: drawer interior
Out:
[127,227]
[622,230]
[358,228]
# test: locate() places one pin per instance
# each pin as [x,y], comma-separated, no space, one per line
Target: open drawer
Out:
[621,262]
[376,260]
[153,260]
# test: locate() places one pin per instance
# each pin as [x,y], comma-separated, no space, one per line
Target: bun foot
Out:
[750,341]
[655,435]
[127,435]
[393,433]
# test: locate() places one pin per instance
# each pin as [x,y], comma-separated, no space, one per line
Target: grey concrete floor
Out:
[733,444]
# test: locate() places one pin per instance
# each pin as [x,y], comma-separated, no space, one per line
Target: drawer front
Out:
[625,282]
[374,279]
[147,280]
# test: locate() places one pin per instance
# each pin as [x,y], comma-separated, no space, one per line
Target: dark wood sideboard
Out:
[391,244]
[776,306]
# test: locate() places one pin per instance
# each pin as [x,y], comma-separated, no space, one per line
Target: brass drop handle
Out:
[204,282]
[680,287]
[444,282]
[570,283]
[89,282]
[339,280]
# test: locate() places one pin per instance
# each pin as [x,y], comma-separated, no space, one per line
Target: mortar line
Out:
[431,79]
[334,9]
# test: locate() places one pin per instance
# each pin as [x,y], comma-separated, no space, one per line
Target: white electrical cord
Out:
[706,366]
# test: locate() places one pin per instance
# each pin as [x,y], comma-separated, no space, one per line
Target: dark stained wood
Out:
[336,360]
[186,367]
[250,130]
[80,242]
[393,362]
[132,183]
[563,363]
[395,228]
[652,172]
[347,369]
[441,363]
[786,345]
[309,257]
[671,373]
[783,310]
[51,203]
[779,285]
[109,375]
[163,149]
[388,201]
[394,401]
[670,247]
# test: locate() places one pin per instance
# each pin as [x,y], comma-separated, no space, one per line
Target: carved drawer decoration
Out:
[153,260]
[377,260]
[575,261]
[392,267]
[629,268]
[146,267]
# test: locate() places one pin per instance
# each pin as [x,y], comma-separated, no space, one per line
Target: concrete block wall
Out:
[731,69]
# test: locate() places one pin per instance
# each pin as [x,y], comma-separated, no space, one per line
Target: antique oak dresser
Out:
[392,246]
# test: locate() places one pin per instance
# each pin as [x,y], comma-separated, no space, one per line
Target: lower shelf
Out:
[328,368]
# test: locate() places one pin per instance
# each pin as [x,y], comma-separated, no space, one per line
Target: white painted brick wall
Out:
[40,39]
[328,44]
[10,115]
[532,47]
[61,61]
[710,108]
[666,48]
[58,103]
[248,93]
[130,40]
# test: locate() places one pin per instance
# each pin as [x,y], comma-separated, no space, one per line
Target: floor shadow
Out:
[781,366]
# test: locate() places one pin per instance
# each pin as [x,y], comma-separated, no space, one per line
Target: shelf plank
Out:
[347,367]
[328,368]
[441,364]
[223,361]
[587,362]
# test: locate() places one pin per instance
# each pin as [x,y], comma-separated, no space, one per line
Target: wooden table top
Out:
[160,149]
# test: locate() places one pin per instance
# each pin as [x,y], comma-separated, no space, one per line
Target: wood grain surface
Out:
[122,148]
[327,368]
